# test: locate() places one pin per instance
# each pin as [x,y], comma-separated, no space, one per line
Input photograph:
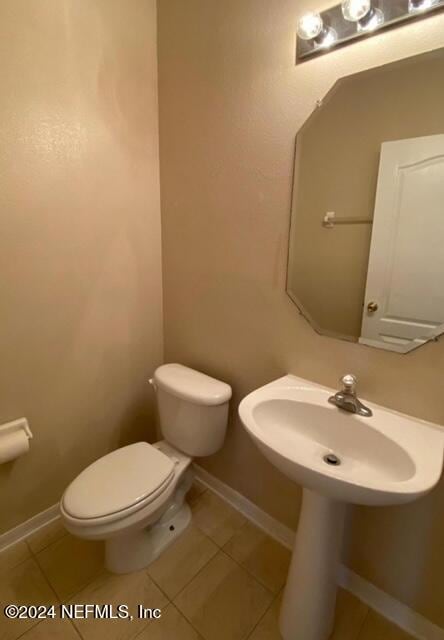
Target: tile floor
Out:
[221,580]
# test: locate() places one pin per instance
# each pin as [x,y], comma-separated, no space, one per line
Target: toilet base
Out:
[137,549]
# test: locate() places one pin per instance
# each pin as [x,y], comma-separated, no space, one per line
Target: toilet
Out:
[134,497]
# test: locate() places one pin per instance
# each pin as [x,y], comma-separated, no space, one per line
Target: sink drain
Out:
[332,460]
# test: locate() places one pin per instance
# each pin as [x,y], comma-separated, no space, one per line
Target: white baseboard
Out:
[401,615]
[387,606]
[30,526]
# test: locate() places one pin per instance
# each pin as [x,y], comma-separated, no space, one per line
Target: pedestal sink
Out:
[338,458]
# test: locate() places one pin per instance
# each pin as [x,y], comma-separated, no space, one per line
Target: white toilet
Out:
[134,498]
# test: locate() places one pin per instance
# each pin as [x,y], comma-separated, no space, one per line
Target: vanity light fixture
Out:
[353,19]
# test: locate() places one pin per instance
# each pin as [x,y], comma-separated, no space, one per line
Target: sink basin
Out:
[386,459]
[338,458]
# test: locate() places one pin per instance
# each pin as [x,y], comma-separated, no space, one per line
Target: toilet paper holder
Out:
[16,425]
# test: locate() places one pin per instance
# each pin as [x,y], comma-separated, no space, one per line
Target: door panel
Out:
[406,266]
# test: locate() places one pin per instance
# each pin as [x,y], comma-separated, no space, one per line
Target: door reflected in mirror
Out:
[366,257]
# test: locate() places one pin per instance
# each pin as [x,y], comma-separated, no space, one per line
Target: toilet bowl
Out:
[134,497]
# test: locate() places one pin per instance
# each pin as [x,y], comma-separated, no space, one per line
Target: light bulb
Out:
[310,26]
[421,5]
[362,12]
[355,10]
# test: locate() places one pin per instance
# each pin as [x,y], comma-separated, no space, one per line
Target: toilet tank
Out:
[193,409]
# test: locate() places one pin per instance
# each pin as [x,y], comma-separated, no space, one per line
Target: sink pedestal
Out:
[308,606]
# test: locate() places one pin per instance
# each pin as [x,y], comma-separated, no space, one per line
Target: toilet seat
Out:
[118,484]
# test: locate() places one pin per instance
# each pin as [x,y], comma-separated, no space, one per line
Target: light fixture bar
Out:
[392,12]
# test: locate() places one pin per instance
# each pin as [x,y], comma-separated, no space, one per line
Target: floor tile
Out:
[23,584]
[350,616]
[268,627]
[174,569]
[171,626]
[13,555]
[70,563]
[376,627]
[45,536]
[223,601]
[216,518]
[131,589]
[195,492]
[263,557]
[52,630]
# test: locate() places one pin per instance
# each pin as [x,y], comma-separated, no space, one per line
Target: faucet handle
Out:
[349,383]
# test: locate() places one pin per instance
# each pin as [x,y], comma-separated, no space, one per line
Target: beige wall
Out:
[336,169]
[231,102]
[80,292]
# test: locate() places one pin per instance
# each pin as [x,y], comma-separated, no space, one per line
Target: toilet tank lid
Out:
[191,385]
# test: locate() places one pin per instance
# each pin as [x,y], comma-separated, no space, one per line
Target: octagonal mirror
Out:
[366,252]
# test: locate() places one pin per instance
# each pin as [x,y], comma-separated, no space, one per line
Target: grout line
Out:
[273,596]
[219,549]
[73,622]
[69,599]
[361,627]
[33,557]
[225,503]
[59,601]
[171,600]
[222,548]
[246,523]
[237,530]
[200,636]
[76,631]
[48,545]
[8,568]
[72,595]
[148,622]
[45,577]
[33,626]
[258,580]
[264,614]
[250,574]
[146,570]
[249,510]
[183,612]
[196,574]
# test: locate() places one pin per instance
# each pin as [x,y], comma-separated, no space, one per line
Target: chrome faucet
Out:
[347,400]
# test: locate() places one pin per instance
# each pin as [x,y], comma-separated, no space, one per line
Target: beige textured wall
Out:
[336,169]
[231,102]
[80,268]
